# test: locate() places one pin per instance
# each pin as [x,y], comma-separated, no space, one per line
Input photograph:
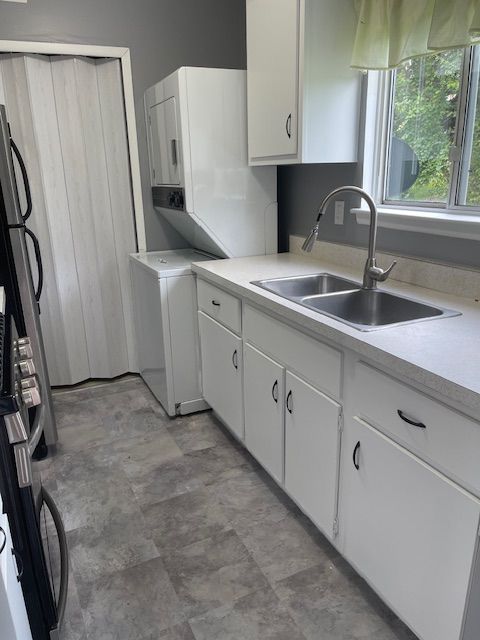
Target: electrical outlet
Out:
[339,211]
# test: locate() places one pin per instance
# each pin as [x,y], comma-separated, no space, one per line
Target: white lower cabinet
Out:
[312,447]
[264,410]
[222,363]
[409,530]
[391,489]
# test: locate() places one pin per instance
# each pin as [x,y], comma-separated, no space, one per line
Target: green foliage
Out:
[473,193]
[426,97]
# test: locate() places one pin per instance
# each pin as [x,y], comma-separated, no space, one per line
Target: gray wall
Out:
[162,35]
[302,187]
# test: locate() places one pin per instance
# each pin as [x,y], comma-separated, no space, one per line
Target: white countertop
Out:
[443,354]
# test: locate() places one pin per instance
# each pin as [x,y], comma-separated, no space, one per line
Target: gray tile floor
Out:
[176,533]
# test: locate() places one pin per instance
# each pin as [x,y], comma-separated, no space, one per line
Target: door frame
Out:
[98,51]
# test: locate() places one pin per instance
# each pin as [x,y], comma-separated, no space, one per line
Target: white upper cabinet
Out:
[272,77]
[303,97]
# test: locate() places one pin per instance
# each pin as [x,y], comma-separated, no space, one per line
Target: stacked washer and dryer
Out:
[202,184]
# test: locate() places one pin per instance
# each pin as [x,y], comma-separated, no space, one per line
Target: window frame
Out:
[449,219]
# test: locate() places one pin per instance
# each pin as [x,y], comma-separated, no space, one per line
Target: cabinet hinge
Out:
[335,528]
[340,419]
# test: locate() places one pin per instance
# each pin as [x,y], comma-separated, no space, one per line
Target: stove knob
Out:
[29,383]
[27,368]
[31,397]
[24,348]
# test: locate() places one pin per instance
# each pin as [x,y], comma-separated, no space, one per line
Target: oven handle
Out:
[37,429]
[38,258]
[64,559]
[26,183]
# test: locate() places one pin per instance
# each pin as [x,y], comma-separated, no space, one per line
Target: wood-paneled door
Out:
[67,116]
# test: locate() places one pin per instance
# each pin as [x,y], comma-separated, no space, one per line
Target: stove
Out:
[35,526]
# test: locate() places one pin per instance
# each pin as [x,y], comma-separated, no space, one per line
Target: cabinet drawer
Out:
[314,361]
[447,439]
[220,305]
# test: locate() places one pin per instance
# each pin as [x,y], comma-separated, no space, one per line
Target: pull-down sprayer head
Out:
[310,239]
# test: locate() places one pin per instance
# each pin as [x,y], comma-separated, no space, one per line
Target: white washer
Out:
[165,316]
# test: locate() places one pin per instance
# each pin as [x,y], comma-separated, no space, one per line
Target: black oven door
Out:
[38,535]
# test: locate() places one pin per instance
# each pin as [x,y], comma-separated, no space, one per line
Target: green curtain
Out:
[392,31]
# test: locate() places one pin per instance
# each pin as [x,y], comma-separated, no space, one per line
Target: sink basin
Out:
[298,287]
[344,300]
[366,309]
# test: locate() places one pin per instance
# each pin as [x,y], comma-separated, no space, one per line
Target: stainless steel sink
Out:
[368,309]
[297,287]
[346,301]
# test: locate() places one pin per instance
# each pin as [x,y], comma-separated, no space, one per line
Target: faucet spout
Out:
[372,273]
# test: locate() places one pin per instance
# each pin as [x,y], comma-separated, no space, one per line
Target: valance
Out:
[392,31]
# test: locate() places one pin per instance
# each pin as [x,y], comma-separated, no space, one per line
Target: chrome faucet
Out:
[371,273]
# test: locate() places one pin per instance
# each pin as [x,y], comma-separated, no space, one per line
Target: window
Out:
[430,134]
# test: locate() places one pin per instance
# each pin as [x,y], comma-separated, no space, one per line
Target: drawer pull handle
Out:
[235,359]
[420,425]
[355,456]
[275,391]
[289,402]
[215,303]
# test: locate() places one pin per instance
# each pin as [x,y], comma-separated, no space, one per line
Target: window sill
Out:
[453,225]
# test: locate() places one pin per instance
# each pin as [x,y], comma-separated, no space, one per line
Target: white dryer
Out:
[165,314]
[201,182]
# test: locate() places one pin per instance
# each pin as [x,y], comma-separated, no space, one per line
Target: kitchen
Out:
[263,420]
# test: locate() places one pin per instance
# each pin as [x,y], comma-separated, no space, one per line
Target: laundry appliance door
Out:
[164,143]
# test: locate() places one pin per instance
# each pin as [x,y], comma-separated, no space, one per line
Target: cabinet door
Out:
[272,77]
[264,393]
[312,445]
[221,352]
[410,531]
[164,142]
